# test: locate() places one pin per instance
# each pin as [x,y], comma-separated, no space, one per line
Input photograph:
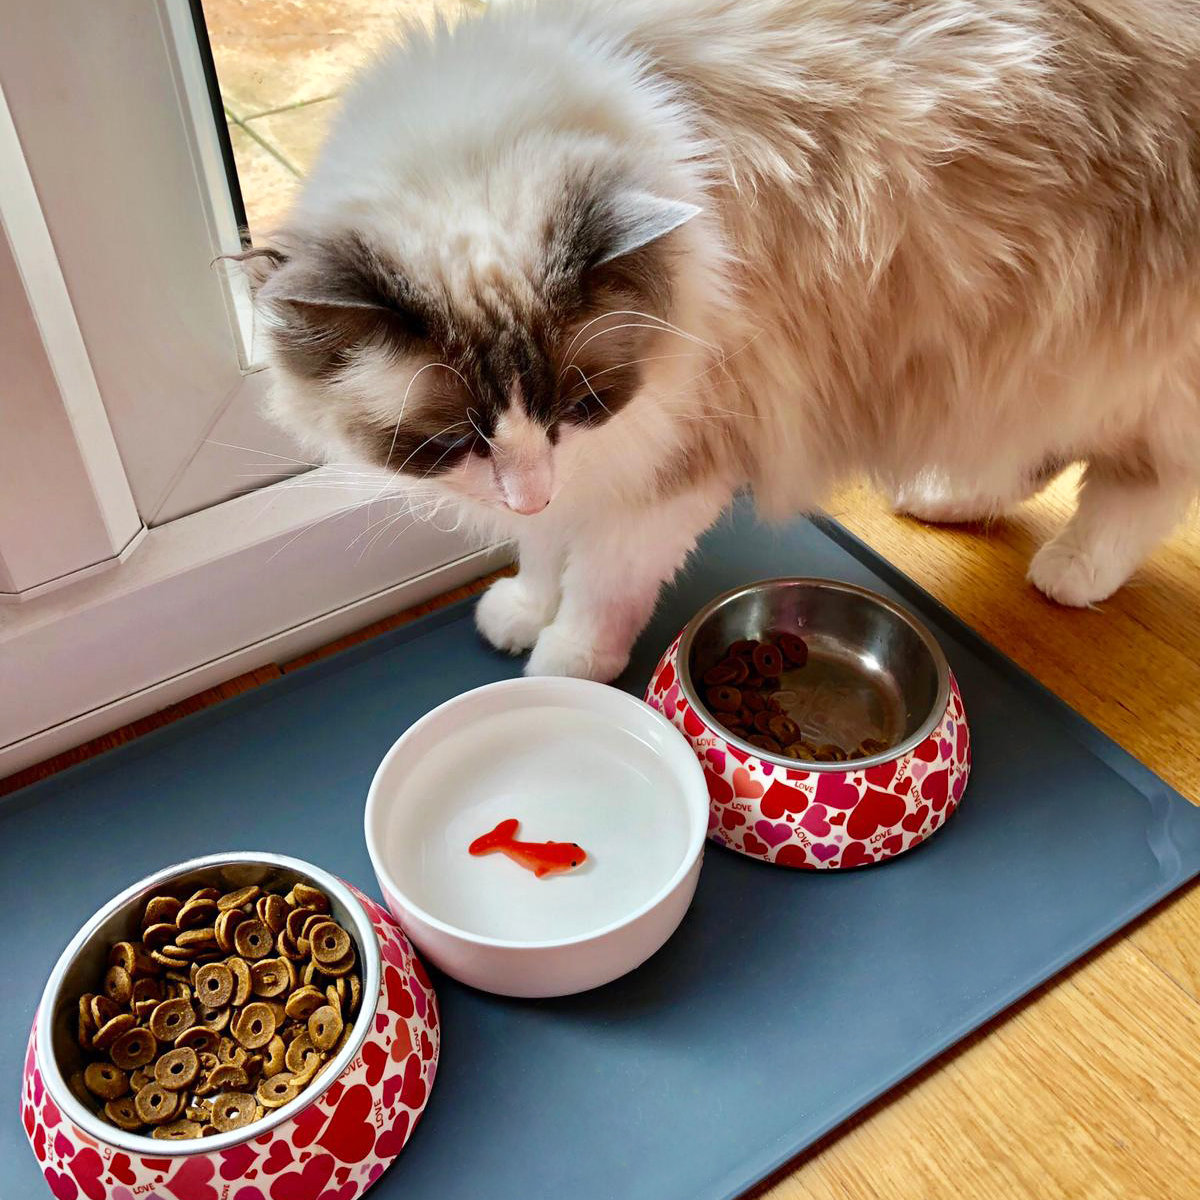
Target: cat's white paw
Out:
[940,505]
[1071,576]
[511,617]
[559,653]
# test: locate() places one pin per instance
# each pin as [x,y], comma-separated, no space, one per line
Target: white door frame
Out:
[125,352]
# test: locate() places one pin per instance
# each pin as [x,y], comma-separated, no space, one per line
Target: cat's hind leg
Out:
[514,610]
[937,499]
[1124,512]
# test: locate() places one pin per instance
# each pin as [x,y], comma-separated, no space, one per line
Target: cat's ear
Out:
[310,287]
[635,219]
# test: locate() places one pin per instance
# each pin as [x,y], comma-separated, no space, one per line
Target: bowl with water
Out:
[538,837]
[857,748]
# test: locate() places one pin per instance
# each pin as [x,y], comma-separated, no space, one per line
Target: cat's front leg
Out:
[615,569]
[515,610]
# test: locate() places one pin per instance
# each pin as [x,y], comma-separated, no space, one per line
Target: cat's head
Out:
[469,352]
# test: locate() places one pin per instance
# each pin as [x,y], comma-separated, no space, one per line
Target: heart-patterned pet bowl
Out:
[873,671]
[333,1140]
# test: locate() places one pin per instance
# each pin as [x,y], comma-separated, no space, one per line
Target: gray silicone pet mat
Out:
[785,1002]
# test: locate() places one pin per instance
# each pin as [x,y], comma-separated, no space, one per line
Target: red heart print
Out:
[744,787]
[835,791]
[391,1088]
[754,846]
[391,1141]
[349,1135]
[403,1043]
[399,999]
[838,818]
[876,810]
[731,819]
[718,789]
[63,1146]
[343,1173]
[814,821]
[281,1156]
[782,799]
[935,789]
[333,1092]
[666,677]
[50,1114]
[306,1185]
[793,856]
[343,1193]
[380,1022]
[122,1169]
[375,1058]
[421,974]
[915,820]
[87,1167]
[855,855]
[39,1149]
[891,845]
[740,755]
[235,1160]
[426,1046]
[882,773]
[162,1164]
[248,1193]
[927,751]
[63,1186]
[191,1180]
[28,1119]
[960,742]
[307,1123]
[796,775]
[692,723]
[413,1092]
[393,952]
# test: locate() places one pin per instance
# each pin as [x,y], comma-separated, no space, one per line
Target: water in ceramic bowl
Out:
[567,774]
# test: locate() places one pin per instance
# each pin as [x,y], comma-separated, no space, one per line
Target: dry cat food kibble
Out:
[228,1007]
[745,693]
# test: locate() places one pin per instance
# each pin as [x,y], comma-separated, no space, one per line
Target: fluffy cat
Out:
[588,267]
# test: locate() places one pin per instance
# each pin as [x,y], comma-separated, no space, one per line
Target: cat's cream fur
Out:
[952,244]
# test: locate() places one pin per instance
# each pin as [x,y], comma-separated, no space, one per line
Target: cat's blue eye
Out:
[584,410]
[448,443]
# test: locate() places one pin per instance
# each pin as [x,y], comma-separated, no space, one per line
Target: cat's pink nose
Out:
[527,507]
[527,487]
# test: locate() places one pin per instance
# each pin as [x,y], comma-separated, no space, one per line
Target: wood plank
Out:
[1090,1089]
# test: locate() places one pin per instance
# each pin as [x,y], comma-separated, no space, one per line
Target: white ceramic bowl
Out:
[573,761]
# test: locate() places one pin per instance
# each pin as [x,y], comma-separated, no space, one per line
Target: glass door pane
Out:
[281,65]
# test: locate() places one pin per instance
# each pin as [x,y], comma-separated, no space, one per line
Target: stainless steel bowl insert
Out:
[873,670]
[83,962]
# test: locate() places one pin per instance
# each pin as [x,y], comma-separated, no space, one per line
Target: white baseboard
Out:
[259,579]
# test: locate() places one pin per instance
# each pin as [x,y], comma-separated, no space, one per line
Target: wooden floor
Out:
[1091,1088]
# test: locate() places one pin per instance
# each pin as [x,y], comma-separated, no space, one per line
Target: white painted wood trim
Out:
[179,35]
[278,648]
[279,571]
[65,501]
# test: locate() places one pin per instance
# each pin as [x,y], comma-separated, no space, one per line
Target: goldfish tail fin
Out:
[500,837]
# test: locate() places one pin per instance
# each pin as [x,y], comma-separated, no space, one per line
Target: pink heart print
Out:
[814,821]
[773,835]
